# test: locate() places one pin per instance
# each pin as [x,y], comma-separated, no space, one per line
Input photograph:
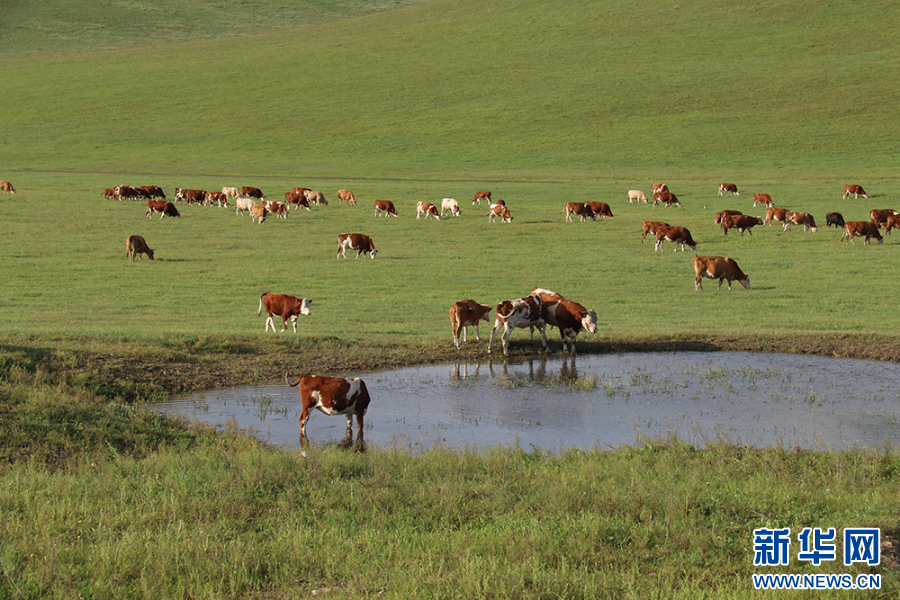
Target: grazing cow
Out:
[636,195]
[776,214]
[230,192]
[834,218]
[346,196]
[579,208]
[762,199]
[135,244]
[260,212]
[718,267]
[291,198]
[465,314]
[601,209]
[856,190]
[675,234]
[481,196]
[126,191]
[428,209]
[652,227]
[190,196]
[252,192]
[286,307]
[279,208]
[242,204]
[109,194]
[866,228]
[355,241]
[726,213]
[7,187]
[740,222]
[164,207]
[217,198]
[658,187]
[880,216]
[333,396]
[728,187]
[667,198]
[155,191]
[500,210]
[893,222]
[315,197]
[800,218]
[523,312]
[451,205]
[386,207]
[570,317]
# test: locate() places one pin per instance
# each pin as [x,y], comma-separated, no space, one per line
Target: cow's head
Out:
[745,281]
[589,321]
[372,253]
[304,306]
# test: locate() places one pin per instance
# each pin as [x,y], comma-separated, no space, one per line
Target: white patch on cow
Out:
[304,307]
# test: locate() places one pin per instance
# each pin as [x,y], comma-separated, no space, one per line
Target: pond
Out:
[593,401]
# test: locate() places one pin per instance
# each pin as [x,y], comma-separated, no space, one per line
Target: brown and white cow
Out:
[667,198]
[601,209]
[481,196]
[333,396]
[740,222]
[762,199]
[570,317]
[451,205]
[800,218]
[279,208]
[109,194]
[7,187]
[285,306]
[522,312]
[502,211]
[893,222]
[386,207]
[728,187]
[126,191]
[657,188]
[346,196]
[291,198]
[776,214]
[258,213]
[718,267]
[861,228]
[856,190]
[190,196]
[217,198]
[578,208]
[135,244]
[725,213]
[677,235]
[355,241]
[155,191]
[428,209]
[465,314]
[164,207]
[652,227]
[252,192]
[315,197]
[636,195]
[879,216]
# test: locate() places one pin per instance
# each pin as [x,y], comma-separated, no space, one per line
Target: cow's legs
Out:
[293,322]
[497,324]
[270,321]
[477,335]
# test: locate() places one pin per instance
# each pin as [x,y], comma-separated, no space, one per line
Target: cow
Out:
[856,190]
[570,317]
[155,191]
[499,202]
[481,196]
[7,187]
[164,207]
[866,228]
[718,267]
[762,199]
[109,194]
[286,307]
[776,214]
[636,195]
[728,187]
[451,205]
[740,222]
[675,234]
[658,187]
[230,192]
[190,196]
[125,191]
[258,212]
[500,210]
[333,396]
[800,218]
[135,244]
[834,218]
[291,198]
[242,204]
[578,208]
[386,207]
[301,190]
[465,314]
[726,213]
[355,241]
[522,312]
[279,208]
[880,216]
[217,198]
[252,192]
[652,227]
[893,222]
[667,198]
[315,197]
[428,209]
[601,209]
[346,196]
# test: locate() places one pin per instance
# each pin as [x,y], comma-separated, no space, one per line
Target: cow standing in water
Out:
[333,396]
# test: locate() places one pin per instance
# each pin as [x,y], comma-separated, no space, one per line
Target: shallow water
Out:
[594,401]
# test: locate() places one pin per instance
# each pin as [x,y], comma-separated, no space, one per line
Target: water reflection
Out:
[596,400]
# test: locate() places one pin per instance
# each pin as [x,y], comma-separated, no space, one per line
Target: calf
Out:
[776,214]
[164,207]
[451,205]
[601,209]
[428,209]
[856,190]
[675,234]
[346,196]
[636,195]
[7,187]
[481,196]
[258,212]
[135,244]
[522,312]
[500,210]
[580,209]
[800,218]
[866,228]
[718,267]
[728,187]
[286,307]
[834,218]
[355,241]
[333,396]
[464,314]
[740,222]
[652,227]
[386,207]
[762,199]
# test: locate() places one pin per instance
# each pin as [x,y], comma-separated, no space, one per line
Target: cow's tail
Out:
[296,383]
[259,311]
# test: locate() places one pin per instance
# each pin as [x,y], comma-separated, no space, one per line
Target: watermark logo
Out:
[862,545]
